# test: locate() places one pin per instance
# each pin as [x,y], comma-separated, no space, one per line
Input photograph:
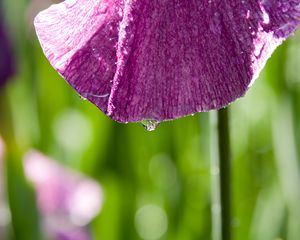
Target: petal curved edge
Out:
[79,38]
[161,60]
[176,58]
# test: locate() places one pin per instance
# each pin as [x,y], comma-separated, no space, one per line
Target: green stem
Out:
[220,167]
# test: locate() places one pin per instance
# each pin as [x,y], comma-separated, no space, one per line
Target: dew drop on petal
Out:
[150,125]
[83,97]
[216,24]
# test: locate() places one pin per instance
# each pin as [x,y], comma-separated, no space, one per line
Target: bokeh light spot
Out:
[151,222]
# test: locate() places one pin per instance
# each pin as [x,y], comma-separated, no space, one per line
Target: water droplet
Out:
[96,52]
[265,15]
[85,95]
[102,9]
[248,14]
[285,7]
[150,125]
[83,98]
[120,12]
[216,23]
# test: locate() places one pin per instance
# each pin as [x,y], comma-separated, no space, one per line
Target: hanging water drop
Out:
[83,97]
[215,24]
[150,125]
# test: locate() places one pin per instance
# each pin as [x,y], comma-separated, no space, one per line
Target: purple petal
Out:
[173,58]
[6,58]
[79,38]
[284,16]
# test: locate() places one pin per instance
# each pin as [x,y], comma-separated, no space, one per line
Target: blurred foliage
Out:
[156,184]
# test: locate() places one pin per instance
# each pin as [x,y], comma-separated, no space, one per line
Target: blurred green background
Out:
[156,184]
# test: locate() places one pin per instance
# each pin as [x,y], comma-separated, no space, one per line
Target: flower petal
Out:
[173,58]
[79,38]
[181,57]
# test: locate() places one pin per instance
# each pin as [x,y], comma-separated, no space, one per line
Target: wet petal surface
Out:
[160,60]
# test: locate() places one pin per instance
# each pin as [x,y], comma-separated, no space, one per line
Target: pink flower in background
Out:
[67,200]
[1,149]
[4,211]
[160,60]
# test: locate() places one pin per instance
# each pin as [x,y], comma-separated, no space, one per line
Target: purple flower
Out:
[67,200]
[6,58]
[160,60]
